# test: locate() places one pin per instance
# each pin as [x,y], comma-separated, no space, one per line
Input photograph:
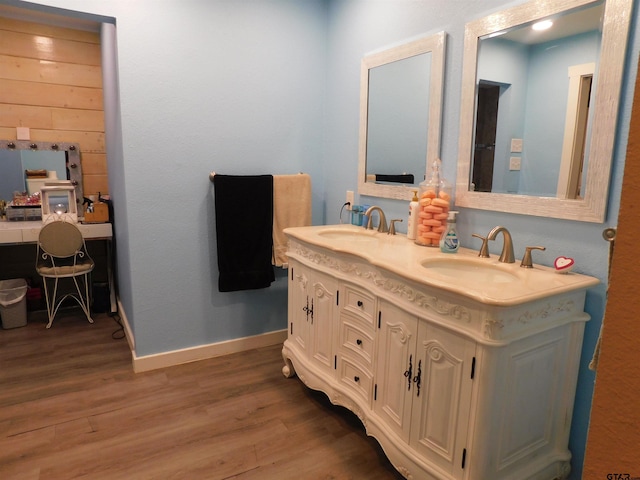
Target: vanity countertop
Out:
[28,231]
[482,279]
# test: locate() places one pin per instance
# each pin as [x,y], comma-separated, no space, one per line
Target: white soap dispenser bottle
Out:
[412,222]
[449,242]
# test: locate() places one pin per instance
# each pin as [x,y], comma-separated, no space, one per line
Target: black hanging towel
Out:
[244,231]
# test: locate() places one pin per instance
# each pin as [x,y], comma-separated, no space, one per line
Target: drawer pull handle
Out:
[360,303]
[356,378]
[359,342]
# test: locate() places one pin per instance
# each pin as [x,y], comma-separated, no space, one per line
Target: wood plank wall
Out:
[51,82]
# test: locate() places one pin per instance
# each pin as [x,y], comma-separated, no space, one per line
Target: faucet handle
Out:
[526,260]
[484,249]
[392,226]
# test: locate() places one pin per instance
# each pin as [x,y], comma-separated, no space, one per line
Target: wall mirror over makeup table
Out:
[539,108]
[60,161]
[400,115]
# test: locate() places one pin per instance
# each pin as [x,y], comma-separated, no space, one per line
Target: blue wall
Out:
[272,86]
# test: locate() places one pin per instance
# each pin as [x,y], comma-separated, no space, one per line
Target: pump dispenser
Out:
[412,223]
[449,241]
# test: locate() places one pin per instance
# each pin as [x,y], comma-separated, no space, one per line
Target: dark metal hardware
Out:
[408,372]
[359,342]
[356,379]
[73,165]
[307,310]
[416,379]
[33,146]
[359,303]
[55,146]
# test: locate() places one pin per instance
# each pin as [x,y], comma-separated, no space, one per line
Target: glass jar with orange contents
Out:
[434,199]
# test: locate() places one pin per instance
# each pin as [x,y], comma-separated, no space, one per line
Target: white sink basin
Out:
[469,270]
[359,235]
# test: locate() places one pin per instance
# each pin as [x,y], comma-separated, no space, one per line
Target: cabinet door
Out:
[395,367]
[298,307]
[423,386]
[323,292]
[442,396]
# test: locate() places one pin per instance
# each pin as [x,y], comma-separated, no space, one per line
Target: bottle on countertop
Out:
[449,242]
[412,223]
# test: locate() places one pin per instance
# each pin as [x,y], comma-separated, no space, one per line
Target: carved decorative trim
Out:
[565,469]
[395,287]
[345,401]
[404,471]
[492,327]
[404,334]
[435,351]
[562,306]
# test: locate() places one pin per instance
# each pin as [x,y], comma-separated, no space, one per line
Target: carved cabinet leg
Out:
[288,371]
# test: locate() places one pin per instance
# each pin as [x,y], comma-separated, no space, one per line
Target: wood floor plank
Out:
[71,407]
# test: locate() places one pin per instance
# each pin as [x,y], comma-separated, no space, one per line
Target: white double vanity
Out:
[461,367]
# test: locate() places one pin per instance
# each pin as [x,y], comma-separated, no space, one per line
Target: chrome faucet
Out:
[382,224]
[507,247]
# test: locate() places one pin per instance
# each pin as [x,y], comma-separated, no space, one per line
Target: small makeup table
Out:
[26,232]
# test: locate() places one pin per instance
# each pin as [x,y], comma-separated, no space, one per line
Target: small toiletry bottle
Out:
[433,199]
[449,241]
[412,222]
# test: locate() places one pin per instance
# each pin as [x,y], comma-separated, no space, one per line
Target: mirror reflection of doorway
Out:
[485,138]
[576,132]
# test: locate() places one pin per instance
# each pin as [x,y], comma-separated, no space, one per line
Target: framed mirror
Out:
[54,161]
[539,108]
[400,116]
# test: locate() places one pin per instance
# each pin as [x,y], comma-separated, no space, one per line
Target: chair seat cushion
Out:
[65,270]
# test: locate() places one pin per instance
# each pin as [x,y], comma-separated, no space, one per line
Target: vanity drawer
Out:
[355,377]
[359,303]
[356,340]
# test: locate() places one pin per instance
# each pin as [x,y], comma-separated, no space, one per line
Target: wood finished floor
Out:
[71,407]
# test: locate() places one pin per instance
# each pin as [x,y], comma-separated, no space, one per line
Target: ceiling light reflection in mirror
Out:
[539,108]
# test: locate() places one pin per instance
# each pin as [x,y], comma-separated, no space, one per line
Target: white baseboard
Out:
[202,352]
[131,340]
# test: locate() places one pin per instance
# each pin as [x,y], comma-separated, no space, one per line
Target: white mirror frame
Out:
[592,208]
[436,45]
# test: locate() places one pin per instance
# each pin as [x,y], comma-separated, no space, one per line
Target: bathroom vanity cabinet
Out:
[454,383]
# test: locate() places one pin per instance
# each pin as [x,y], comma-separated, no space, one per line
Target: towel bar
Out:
[212,174]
